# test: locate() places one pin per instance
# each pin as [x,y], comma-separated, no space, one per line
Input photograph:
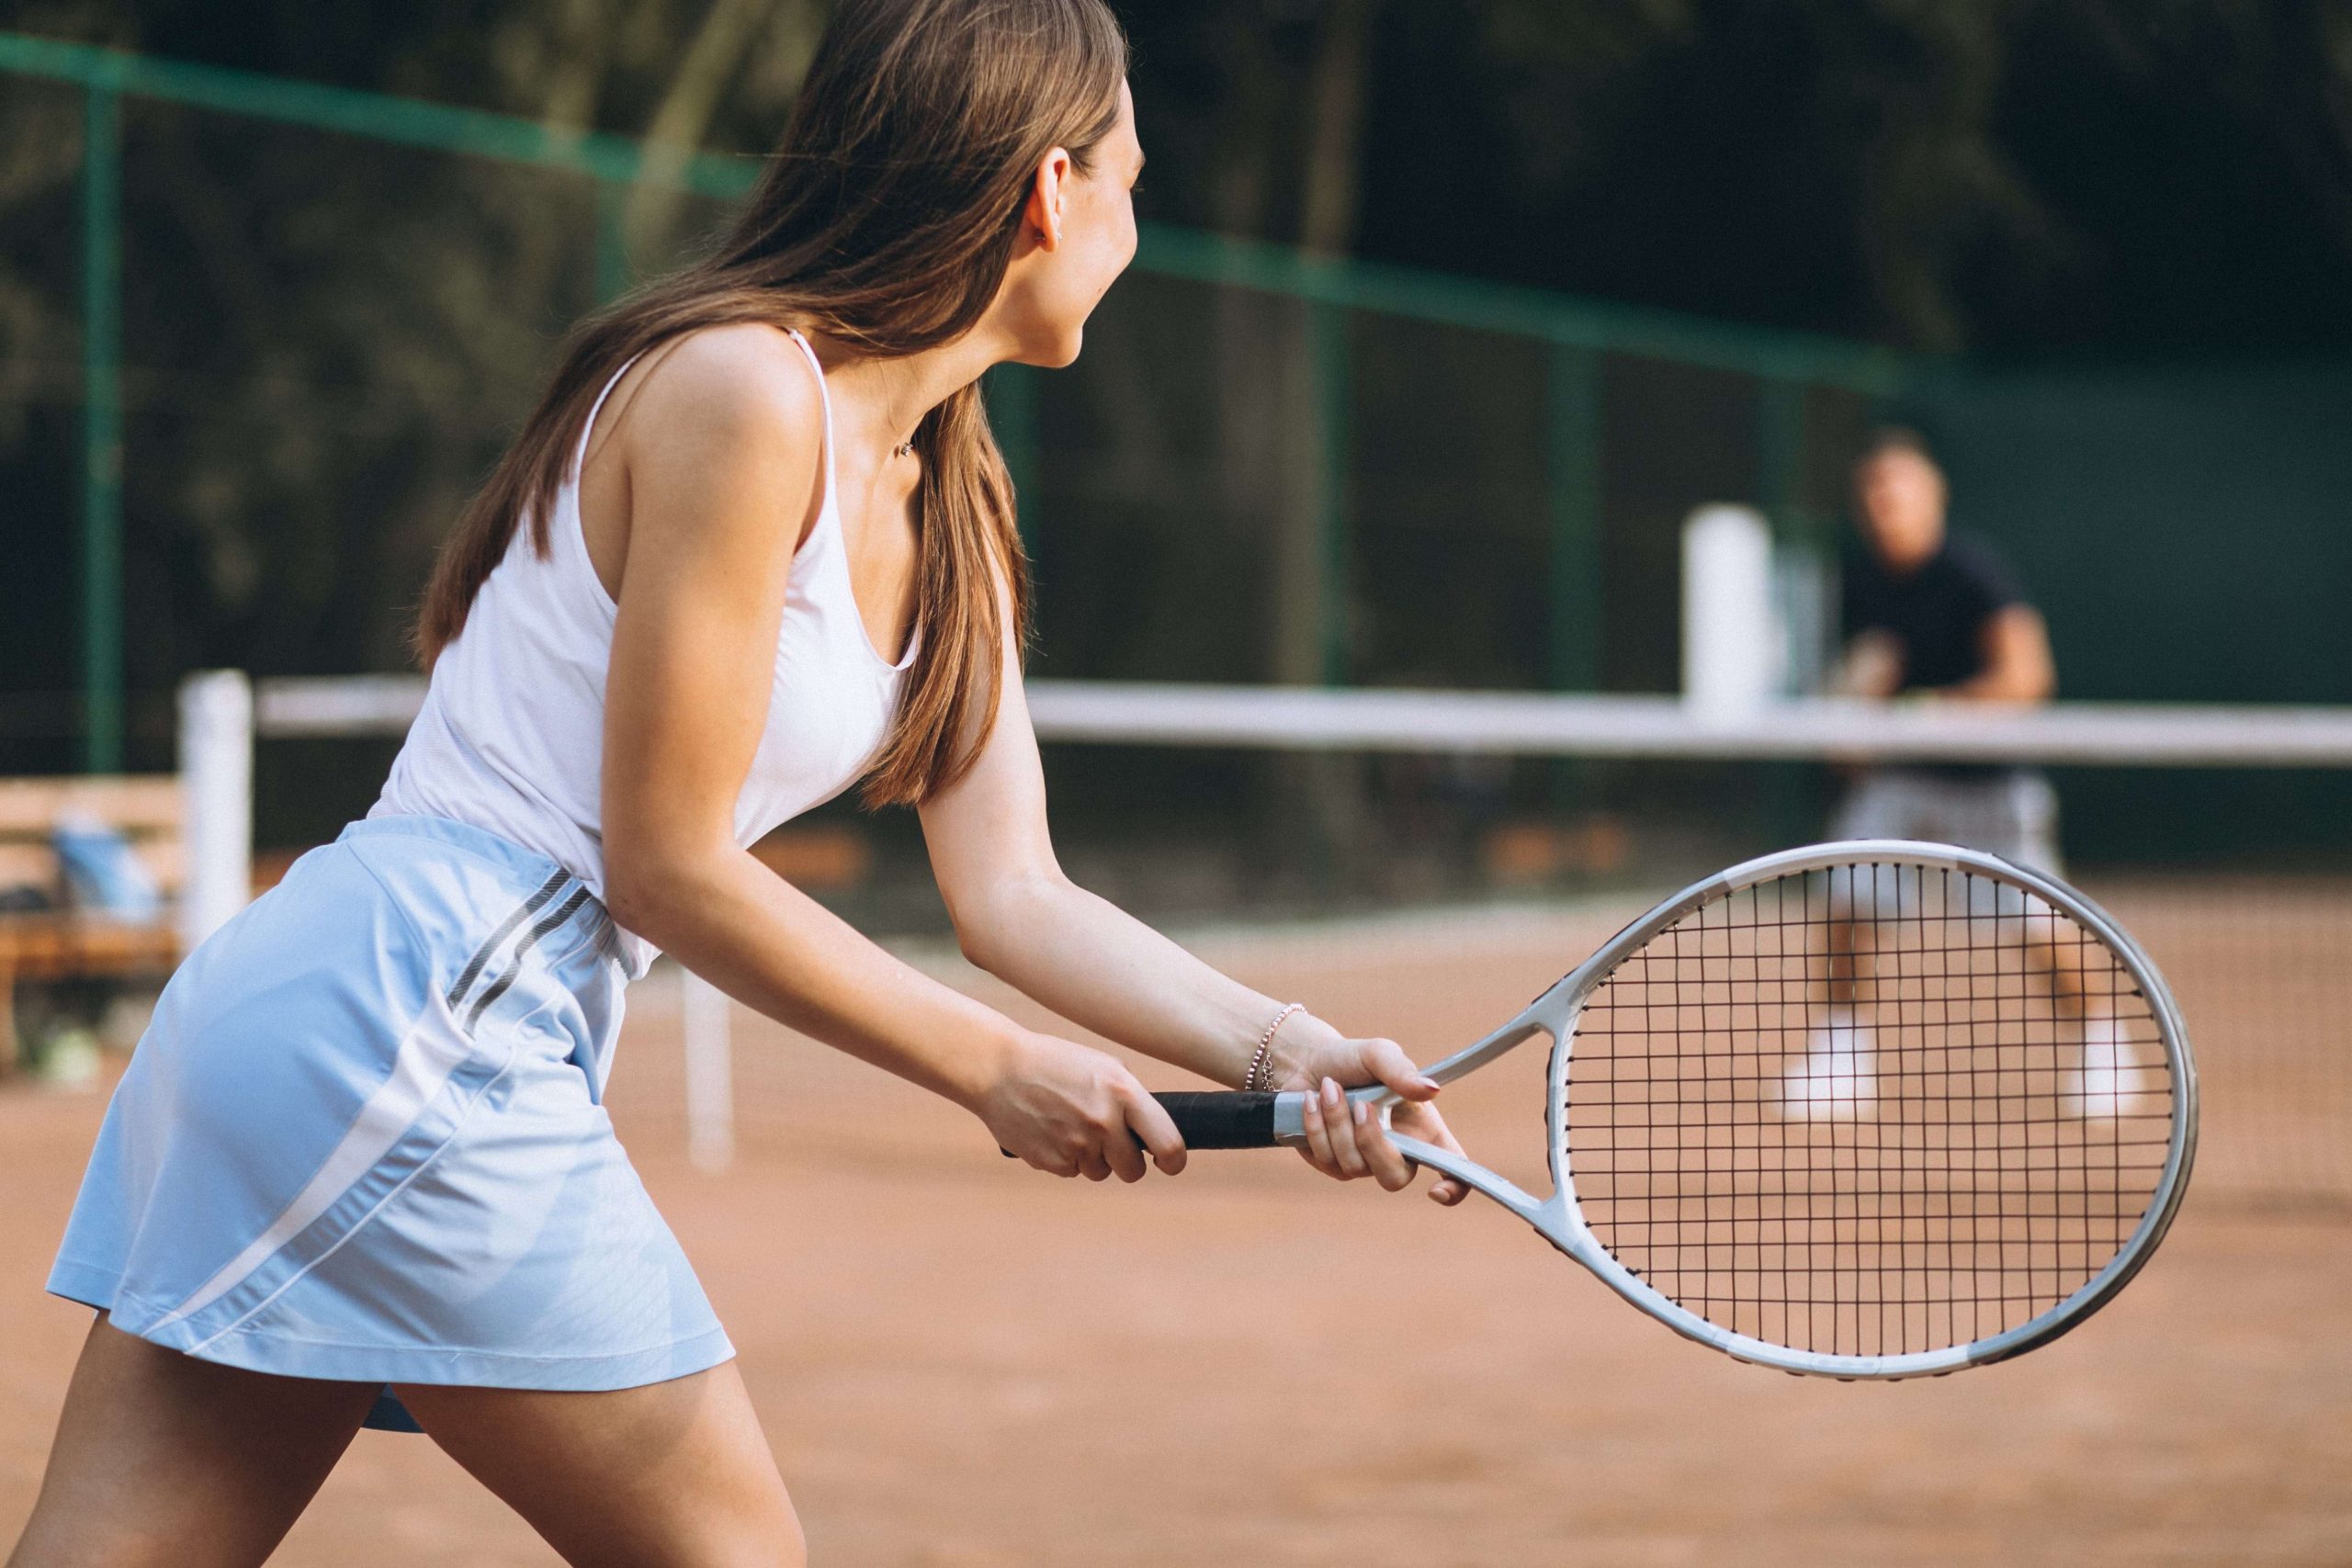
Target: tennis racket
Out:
[1864,1109]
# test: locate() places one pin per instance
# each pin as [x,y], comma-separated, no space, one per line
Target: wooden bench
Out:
[61,942]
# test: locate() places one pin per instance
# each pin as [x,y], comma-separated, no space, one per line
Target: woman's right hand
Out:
[1073,1110]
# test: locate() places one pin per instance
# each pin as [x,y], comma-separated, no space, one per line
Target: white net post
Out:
[216,744]
[1732,650]
[704,1016]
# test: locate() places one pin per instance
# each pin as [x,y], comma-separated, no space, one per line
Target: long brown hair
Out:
[885,223]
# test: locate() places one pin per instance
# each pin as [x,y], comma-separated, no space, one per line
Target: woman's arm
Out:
[721,448]
[1018,917]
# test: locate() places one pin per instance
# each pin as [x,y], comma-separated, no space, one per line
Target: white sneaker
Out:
[2099,1087]
[1836,1081]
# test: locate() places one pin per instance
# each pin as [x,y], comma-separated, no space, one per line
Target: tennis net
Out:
[1417,864]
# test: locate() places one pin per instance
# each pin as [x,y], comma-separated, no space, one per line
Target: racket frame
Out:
[1560,1222]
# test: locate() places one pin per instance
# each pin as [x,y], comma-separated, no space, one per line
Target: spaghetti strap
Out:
[825,401]
[579,452]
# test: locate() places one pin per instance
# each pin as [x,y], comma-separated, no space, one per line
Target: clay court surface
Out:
[963,1363]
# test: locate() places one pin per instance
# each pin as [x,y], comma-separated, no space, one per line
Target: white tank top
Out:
[511,738]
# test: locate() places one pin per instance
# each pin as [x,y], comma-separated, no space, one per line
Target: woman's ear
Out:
[1047,197]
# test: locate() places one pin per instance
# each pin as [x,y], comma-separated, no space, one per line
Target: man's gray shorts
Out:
[2012,813]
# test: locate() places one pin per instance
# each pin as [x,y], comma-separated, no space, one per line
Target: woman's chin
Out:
[1045,348]
[1056,352]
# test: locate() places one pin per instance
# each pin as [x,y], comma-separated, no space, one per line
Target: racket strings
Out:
[1876,1111]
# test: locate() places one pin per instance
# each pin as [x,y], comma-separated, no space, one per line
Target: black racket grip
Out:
[1224,1119]
[1221,1120]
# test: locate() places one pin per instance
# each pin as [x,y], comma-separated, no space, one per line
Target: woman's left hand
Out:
[1345,1140]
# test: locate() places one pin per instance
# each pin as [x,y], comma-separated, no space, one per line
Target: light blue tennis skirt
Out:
[365,1138]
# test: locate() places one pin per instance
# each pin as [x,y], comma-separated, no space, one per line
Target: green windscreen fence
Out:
[1505,512]
[332,310]
[2185,529]
[316,314]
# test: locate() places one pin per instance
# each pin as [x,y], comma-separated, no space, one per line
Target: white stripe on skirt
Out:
[434,1048]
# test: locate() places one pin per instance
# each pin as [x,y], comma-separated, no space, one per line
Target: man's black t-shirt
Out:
[1936,612]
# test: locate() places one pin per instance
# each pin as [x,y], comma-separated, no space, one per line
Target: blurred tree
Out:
[1813,163]
[699,85]
[2136,174]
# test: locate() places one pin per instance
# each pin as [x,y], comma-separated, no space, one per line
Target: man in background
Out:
[1931,617]
[1934,616]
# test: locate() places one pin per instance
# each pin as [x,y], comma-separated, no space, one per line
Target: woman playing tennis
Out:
[755,545]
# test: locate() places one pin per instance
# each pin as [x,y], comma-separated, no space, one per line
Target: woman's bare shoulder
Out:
[734,392]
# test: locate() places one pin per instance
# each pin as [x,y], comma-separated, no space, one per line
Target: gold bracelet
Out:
[1259,1076]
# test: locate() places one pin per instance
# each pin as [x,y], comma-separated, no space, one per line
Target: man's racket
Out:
[1866,1110]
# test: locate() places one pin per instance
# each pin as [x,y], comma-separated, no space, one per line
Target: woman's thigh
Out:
[673,1474]
[162,1459]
